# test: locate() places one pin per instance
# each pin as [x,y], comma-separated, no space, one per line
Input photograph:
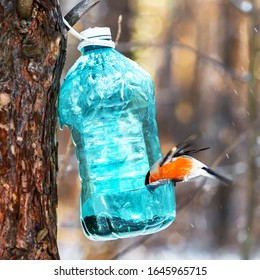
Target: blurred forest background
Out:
[204,58]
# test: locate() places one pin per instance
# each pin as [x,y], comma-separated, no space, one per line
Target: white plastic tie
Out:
[73,32]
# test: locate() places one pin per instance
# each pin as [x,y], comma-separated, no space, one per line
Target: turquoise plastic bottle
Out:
[107,101]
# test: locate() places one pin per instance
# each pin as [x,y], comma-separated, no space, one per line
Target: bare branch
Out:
[25,8]
[65,161]
[73,16]
[131,247]
[242,77]
[119,23]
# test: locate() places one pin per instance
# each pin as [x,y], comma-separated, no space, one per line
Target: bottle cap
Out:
[98,36]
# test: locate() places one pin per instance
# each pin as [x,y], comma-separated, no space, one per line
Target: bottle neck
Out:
[93,47]
[95,43]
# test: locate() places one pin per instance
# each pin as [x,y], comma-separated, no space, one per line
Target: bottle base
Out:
[113,228]
[109,216]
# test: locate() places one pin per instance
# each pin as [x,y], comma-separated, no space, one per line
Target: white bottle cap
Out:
[98,36]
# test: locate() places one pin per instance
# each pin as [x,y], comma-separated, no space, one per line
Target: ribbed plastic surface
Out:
[107,101]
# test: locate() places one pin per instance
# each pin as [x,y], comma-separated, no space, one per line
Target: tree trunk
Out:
[32,54]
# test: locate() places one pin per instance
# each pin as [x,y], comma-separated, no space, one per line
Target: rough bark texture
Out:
[32,54]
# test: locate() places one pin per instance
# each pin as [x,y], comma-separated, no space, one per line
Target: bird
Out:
[179,165]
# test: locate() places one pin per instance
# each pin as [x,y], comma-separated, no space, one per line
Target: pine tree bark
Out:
[32,55]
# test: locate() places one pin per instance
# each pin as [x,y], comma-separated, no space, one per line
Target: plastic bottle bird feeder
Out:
[107,101]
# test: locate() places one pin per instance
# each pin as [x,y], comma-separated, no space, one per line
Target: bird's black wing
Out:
[181,150]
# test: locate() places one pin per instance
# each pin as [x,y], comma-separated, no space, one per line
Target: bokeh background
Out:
[204,58]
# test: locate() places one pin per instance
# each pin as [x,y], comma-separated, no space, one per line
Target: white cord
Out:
[73,31]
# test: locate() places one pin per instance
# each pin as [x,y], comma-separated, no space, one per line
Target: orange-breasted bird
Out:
[178,165]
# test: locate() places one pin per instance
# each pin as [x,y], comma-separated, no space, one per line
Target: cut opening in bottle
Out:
[130,213]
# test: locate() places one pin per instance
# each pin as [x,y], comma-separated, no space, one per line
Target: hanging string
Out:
[73,32]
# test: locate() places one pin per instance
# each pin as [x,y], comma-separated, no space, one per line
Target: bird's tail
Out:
[222,178]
